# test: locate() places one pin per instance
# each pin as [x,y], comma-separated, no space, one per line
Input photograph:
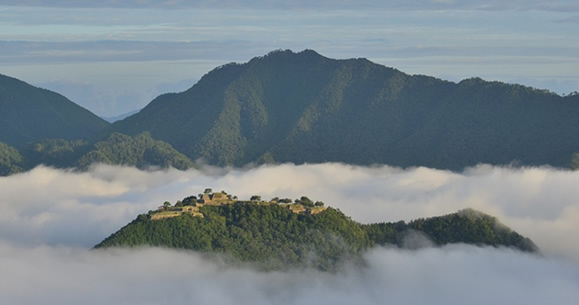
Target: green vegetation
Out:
[31,114]
[10,160]
[141,151]
[303,107]
[54,152]
[278,236]
[466,226]
[46,128]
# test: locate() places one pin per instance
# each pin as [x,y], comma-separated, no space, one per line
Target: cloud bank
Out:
[49,219]
[55,207]
[449,275]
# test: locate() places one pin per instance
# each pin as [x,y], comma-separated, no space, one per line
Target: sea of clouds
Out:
[50,219]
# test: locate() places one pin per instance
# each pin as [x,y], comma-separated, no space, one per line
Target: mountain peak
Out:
[288,52]
[279,55]
[302,107]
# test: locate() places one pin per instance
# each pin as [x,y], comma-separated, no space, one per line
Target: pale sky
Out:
[113,56]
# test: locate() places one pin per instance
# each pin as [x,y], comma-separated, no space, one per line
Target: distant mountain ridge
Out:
[38,126]
[29,114]
[119,117]
[303,107]
[300,108]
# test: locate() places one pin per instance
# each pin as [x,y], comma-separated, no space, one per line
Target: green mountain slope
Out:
[11,162]
[141,151]
[54,152]
[29,114]
[303,107]
[275,235]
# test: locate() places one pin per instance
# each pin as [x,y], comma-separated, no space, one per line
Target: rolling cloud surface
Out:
[49,219]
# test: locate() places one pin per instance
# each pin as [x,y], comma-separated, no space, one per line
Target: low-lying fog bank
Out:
[50,218]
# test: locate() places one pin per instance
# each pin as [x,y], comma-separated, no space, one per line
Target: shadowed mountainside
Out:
[303,107]
[30,114]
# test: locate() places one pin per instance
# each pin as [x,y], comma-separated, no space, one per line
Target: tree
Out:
[208,191]
[166,205]
[191,200]
[255,198]
[319,204]
[305,201]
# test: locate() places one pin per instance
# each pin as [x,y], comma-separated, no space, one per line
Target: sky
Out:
[46,236]
[113,57]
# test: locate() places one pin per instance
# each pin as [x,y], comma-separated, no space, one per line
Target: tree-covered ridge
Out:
[10,160]
[29,114]
[303,107]
[141,151]
[54,152]
[465,226]
[274,235]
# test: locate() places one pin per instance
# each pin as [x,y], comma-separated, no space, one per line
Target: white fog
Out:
[49,220]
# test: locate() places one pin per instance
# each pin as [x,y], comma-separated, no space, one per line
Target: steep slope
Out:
[184,119]
[275,236]
[30,114]
[303,107]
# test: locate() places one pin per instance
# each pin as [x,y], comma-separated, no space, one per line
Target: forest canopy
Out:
[277,235]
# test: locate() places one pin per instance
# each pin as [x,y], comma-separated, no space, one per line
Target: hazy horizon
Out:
[113,57]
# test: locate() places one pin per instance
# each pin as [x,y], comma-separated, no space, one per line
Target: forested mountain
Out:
[278,235]
[29,114]
[303,107]
[38,126]
[141,151]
